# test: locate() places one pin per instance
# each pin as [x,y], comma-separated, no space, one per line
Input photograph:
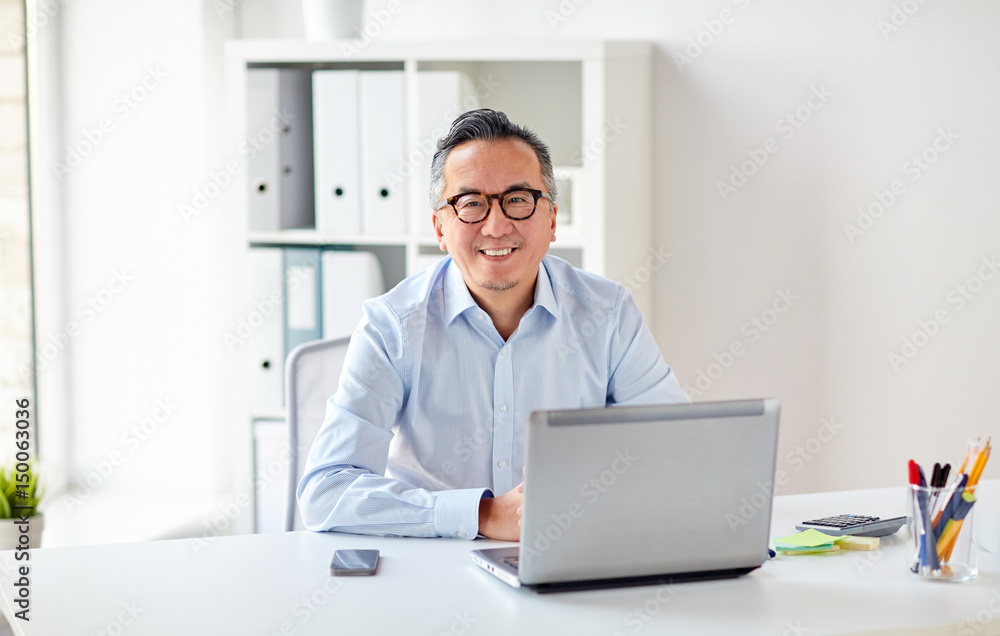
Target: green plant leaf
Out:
[4,508]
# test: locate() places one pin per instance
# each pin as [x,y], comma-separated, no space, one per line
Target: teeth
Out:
[498,252]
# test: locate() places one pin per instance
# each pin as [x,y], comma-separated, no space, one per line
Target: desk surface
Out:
[273,584]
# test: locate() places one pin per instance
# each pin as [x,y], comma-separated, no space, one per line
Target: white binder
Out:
[349,279]
[267,319]
[443,96]
[383,155]
[277,148]
[336,151]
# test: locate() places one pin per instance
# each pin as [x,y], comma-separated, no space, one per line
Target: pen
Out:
[968,451]
[930,553]
[927,554]
[949,507]
[942,499]
[977,469]
[950,533]
[914,476]
[935,483]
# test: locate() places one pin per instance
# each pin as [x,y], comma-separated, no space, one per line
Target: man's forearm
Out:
[357,501]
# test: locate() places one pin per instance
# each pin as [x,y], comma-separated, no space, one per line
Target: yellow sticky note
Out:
[807,539]
[858,543]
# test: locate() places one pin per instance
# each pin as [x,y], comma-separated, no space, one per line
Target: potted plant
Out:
[19,496]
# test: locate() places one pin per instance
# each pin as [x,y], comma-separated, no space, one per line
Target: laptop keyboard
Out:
[513,560]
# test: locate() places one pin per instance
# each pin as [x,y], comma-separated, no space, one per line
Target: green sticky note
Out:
[833,547]
[810,538]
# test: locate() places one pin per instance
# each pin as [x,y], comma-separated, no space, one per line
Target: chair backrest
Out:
[312,374]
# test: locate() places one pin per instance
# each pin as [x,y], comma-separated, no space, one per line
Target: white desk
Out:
[279,584]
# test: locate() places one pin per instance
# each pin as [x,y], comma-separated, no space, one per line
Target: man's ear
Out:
[438,230]
[552,219]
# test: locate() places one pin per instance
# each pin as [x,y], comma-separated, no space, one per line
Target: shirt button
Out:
[503,352]
[460,534]
[481,316]
[502,463]
[503,408]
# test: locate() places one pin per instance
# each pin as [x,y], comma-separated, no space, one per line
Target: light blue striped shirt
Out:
[431,410]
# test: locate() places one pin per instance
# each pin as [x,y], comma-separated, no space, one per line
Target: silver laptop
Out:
[639,495]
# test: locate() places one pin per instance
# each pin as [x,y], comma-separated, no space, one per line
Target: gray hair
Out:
[487,125]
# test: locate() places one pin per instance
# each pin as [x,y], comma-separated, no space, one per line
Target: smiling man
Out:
[444,370]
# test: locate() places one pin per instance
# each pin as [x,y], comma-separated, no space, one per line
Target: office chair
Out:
[312,374]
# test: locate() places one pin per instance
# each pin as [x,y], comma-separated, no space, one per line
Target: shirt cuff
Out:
[456,512]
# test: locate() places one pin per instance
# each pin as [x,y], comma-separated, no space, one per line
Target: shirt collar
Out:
[544,297]
[457,297]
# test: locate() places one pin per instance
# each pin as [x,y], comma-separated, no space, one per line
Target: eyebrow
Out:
[514,186]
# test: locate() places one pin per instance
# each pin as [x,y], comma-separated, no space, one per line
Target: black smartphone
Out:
[354,562]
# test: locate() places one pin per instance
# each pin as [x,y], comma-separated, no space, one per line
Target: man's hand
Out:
[500,517]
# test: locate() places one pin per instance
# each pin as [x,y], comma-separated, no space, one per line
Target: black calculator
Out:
[854,525]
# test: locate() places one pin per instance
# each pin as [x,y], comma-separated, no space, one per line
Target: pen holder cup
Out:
[940,532]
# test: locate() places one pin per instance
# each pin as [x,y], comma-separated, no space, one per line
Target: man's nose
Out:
[496,222]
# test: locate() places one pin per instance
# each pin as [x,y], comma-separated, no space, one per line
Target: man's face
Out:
[492,168]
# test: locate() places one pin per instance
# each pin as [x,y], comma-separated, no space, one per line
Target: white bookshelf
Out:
[590,101]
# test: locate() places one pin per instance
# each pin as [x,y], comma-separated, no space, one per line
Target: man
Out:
[444,370]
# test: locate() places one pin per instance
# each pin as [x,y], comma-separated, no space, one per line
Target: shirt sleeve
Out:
[638,374]
[344,486]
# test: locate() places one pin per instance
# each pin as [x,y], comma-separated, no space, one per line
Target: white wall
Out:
[825,357]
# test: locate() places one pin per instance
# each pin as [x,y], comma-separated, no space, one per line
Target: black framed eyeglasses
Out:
[516,204]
